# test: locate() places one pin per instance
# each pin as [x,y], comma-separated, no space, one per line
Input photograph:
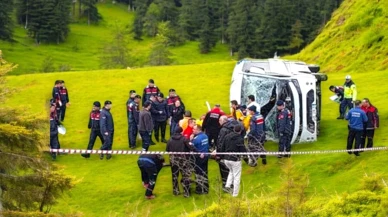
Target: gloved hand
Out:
[160,112]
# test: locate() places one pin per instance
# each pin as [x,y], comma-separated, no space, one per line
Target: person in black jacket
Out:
[133,120]
[150,90]
[146,125]
[339,91]
[150,166]
[180,163]
[64,94]
[161,116]
[107,128]
[172,98]
[94,125]
[54,122]
[57,98]
[284,128]
[176,112]
[234,143]
[372,124]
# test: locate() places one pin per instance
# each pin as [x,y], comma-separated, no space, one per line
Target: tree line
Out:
[254,28]
[46,21]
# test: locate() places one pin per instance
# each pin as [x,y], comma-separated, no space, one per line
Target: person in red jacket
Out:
[371,125]
[189,129]
[211,124]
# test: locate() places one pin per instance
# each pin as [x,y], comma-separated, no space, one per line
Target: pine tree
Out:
[91,11]
[28,182]
[6,25]
[160,55]
[138,24]
[242,24]
[151,19]
[296,37]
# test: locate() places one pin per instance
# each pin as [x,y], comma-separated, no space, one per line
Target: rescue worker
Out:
[234,143]
[132,94]
[372,124]
[176,113]
[256,136]
[161,118]
[64,93]
[154,112]
[172,98]
[185,121]
[350,95]
[357,118]
[107,128]
[133,120]
[339,91]
[150,166]
[251,102]
[226,128]
[211,124]
[236,112]
[57,97]
[200,142]
[180,163]
[54,123]
[146,125]
[150,90]
[94,125]
[283,124]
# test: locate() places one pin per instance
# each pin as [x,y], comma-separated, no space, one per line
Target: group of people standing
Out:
[362,116]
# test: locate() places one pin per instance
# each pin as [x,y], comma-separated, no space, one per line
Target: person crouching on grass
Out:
[150,166]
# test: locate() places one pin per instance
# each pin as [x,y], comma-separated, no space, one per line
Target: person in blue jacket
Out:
[357,118]
[107,128]
[283,123]
[200,141]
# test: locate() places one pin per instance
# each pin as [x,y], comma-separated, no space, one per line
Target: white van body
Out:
[294,82]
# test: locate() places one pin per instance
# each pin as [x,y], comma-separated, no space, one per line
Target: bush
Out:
[48,65]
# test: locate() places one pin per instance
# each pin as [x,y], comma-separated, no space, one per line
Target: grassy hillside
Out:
[113,188]
[82,49]
[354,40]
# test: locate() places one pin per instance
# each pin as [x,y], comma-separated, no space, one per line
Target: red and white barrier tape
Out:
[130,152]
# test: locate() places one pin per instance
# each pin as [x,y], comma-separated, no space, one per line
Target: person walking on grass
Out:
[150,166]
[372,124]
[146,125]
[94,125]
[180,163]
[64,93]
[54,123]
[107,128]
[357,118]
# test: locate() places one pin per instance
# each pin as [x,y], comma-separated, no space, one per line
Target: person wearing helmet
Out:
[350,95]
[94,125]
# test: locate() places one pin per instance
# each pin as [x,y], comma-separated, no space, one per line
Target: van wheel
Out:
[321,76]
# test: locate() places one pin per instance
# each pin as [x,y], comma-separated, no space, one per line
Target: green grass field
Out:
[82,49]
[113,188]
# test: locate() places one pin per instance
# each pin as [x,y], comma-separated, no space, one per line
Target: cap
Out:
[348,77]
[171,90]
[138,97]
[244,106]
[97,104]
[146,104]
[279,103]
[107,102]
[160,95]
[151,81]
[217,105]
[132,91]
[252,108]
[331,87]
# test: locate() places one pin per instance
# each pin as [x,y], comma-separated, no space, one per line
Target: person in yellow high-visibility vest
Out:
[350,95]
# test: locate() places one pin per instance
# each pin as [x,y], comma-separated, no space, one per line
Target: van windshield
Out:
[266,91]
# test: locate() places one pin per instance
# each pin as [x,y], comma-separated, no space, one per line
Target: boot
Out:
[340,117]
[264,161]
[101,156]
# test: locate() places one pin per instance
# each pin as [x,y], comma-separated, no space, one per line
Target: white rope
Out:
[130,152]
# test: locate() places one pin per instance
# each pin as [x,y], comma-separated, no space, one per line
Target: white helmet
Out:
[348,77]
